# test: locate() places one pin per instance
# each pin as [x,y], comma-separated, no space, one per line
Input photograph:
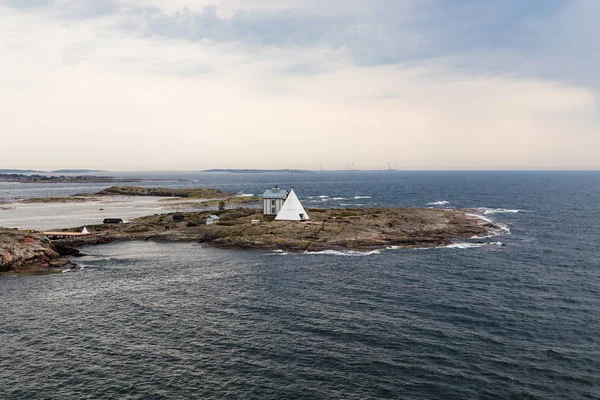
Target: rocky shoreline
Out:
[30,253]
[247,228]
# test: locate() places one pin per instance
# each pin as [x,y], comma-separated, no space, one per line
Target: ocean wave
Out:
[278,253]
[438,203]
[361,197]
[345,253]
[468,245]
[488,210]
[339,198]
[245,195]
[502,228]
[358,253]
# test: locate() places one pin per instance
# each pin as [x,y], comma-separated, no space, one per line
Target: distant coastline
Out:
[76,171]
[36,178]
[19,171]
[258,171]
[57,171]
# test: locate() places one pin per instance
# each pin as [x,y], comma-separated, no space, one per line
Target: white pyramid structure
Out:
[85,231]
[292,209]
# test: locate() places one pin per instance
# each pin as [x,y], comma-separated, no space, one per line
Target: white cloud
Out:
[85,95]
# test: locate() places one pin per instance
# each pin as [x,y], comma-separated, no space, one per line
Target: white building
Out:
[292,209]
[273,200]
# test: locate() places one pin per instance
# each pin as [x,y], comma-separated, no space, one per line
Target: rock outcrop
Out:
[24,252]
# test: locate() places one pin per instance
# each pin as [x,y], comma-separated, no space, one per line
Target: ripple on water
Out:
[151,320]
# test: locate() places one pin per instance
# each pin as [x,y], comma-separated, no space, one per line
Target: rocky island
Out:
[237,225]
[248,228]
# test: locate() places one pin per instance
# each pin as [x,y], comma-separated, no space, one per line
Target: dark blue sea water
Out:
[181,320]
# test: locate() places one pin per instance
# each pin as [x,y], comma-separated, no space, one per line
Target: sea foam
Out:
[346,253]
[438,203]
[467,245]
[489,210]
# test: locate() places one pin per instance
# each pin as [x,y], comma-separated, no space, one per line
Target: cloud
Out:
[28,3]
[195,88]
[67,9]
[527,38]
[132,97]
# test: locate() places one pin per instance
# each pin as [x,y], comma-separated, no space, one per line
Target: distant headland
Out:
[56,171]
[76,171]
[258,171]
[37,178]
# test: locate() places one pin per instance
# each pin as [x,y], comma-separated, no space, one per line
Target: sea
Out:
[514,316]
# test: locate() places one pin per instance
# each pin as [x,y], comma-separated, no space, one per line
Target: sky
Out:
[197,84]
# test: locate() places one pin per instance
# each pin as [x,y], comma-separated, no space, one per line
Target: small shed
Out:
[273,200]
[211,219]
[112,221]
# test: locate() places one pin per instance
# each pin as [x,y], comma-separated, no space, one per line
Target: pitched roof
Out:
[275,193]
[292,209]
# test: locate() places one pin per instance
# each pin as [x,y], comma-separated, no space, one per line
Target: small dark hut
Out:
[113,221]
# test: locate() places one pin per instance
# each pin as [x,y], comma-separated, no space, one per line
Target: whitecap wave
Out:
[438,203]
[277,253]
[488,210]
[339,198]
[361,197]
[502,228]
[245,195]
[345,253]
[467,245]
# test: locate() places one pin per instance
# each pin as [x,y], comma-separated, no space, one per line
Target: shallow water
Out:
[473,320]
[47,216]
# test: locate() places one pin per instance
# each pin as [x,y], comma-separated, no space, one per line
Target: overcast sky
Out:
[195,84]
